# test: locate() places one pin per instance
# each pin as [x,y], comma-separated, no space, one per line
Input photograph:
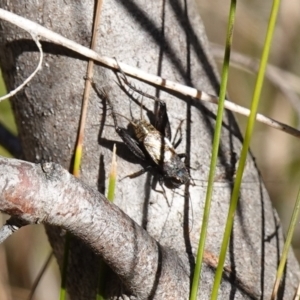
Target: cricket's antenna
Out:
[131,115]
[141,113]
[130,121]
[113,113]
[192,211]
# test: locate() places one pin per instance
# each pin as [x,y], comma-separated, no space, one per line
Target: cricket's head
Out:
[176,182]
[176,175]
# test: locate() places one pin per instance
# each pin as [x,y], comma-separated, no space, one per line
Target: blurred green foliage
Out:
[6,115]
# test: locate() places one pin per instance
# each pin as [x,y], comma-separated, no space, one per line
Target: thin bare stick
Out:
[39,66]
[134,72]
[40,275]
[297,294]
[87,89]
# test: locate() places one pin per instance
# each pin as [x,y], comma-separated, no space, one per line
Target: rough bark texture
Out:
[165,38]
[76,207]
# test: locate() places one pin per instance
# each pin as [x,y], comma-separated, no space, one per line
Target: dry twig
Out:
[134,72]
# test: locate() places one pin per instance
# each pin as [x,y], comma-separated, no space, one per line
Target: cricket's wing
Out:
[159,148]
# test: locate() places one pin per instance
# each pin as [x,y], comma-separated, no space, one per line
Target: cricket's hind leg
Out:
[162,123]
[154,181]
[130,142]
[178,136]
[135,174]
[160,180]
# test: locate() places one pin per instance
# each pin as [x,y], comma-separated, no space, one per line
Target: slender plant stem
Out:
[63,285]
[214,158]
[40,275]
[79,144]
[245,148]
[286,247]
[103,268]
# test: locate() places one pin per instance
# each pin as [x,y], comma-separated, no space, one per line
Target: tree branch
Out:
[48,194]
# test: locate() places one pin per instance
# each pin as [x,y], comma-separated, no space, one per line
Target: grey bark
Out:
[160,37]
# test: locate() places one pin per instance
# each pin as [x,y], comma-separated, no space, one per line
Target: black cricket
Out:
[151,143]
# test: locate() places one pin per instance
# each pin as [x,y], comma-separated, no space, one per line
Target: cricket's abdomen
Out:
[162,153]
[142,129]
[159,148]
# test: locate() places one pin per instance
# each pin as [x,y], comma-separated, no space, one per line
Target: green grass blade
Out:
[103,269]
[63,285]
[287,245]
[112,177]
[77,160]
[242,161]
[214,159]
